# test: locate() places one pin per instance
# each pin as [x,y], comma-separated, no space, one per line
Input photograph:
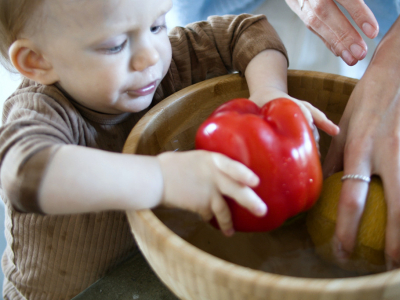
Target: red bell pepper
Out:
[277,143]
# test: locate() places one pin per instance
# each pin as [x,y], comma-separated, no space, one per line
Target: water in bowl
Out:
[286,251]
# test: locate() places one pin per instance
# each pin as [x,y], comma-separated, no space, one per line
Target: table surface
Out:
[132,279]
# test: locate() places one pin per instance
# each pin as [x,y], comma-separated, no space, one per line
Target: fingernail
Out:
[347,57]
[229,232]
[358,51]
[369,30]
[261,210]
[340,253]
[255,180]
[337,129]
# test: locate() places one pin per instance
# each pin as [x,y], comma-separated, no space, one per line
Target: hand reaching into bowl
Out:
[197,181]
[266,84]
[369,144]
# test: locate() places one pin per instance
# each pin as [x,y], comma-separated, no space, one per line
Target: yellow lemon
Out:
[368,255]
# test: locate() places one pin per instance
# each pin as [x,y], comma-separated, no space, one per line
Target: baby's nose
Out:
[144,58]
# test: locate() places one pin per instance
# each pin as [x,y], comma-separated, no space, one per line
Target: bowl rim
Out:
[264,278]
[219,265]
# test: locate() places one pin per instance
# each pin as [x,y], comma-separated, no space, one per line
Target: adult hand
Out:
[369,143]
[326,20]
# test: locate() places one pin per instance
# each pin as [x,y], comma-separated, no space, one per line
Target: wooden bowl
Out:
[193,273]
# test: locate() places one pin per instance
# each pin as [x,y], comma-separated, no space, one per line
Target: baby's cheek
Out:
[166,56]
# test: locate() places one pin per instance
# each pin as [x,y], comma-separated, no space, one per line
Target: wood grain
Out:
[194,274]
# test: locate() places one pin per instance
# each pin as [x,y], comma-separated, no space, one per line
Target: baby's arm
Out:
[266,75]
[81,179]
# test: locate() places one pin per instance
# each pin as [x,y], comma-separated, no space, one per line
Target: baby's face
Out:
[110,55]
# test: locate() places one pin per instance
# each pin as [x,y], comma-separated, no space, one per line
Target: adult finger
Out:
[314,14]
[351,204]
[391,187]
[362,16]
[333,162]
[343,38]
[335,156]
[332,43]
[350,208]
[325,19]
[324,41]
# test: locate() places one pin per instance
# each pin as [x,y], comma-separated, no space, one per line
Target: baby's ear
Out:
[29,61]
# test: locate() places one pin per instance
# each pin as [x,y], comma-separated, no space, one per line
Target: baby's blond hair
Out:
[14,15]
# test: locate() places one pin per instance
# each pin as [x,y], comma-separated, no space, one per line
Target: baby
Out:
[91,69]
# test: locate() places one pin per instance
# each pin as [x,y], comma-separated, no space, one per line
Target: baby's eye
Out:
[157,29]
[115,49]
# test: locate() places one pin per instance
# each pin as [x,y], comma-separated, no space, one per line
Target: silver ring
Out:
[357,177]
[301,3]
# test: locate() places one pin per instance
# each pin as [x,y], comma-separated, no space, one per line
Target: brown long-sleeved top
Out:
[56,257]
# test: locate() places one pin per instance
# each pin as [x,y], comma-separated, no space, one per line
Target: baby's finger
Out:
[315,134]
[242,194]
[236,170]
[321,120]
[206,215]
[222,213]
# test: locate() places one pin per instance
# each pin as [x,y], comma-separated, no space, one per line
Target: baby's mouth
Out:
[146,90]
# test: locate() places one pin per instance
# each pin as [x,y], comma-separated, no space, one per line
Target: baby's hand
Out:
[312,114]
[197,180]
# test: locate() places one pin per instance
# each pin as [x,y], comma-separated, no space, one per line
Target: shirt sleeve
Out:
[35,125]
[218,46]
